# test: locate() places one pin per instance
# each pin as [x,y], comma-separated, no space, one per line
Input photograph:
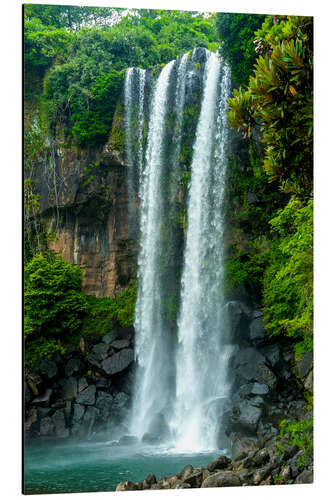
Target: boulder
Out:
[241,446]
[27,393]
[58,419]
[305,365]
[221,462]
[308,384]
[264,375]
[235,317]
[120,401]
[87,396]
[223,478]
[148,438]
[180,485]
[128,440]
[195,478]
[69,389]
[74,366]
[305,477]
[118,361]
[47,426]
[82,384]
[104,402]
[245,363]
[149,481]
[257,334]
[120,344]
[47,368]
[110,337]
[245,390]
[43,399]
[89,419]
[249,416]
[78,412]
[272,354]
[259,389]
[127,486]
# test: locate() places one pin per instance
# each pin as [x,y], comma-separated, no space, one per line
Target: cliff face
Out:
[83,205]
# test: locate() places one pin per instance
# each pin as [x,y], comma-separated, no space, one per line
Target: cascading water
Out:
[152,387]
[181,381]
[202,358]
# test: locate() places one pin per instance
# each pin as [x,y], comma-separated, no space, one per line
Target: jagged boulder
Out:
[118,361]
[223,478]
[87,396]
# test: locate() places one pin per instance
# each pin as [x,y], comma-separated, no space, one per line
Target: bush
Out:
[54,303]
[288,280]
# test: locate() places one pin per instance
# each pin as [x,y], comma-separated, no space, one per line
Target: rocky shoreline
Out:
[261,467]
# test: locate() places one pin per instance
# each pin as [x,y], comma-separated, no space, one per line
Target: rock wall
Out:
[83,204]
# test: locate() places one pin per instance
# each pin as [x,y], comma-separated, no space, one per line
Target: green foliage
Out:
[103,314]
[42,348]
[288,281]
[86,51]
[279,100]
[299,433]
[236,32]
[54,304]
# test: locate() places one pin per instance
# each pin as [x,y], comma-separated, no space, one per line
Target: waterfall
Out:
[202,383]
[134,137]
[182,378]
[152,350]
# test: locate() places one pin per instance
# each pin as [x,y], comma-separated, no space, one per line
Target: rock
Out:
[98,354]
[186,471]
[272,354]
[241,446]
[120,344]
[120,401]
[249,416]
[47,367]
[69,390]
[59,422]
[47,427]
[224,478]
[44,399]
[128,440]
[88,420]
[127,486]
[104,403]
[235,316]
[31,418]
[265,376]
[246,390]
[260,389]
[308,384]
[246,362]
[219,463]
[78,412]
[285,473]
[149,481]
[27,393]
[87,396]
[74,365]
[257,333]
[180,485]
[261,457]
[305,477]
[194,479]
[305,365]
[118,361]
[110,337]
[257,401]
[82,384]
[262,473]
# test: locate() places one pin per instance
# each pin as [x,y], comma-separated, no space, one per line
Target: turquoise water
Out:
[87,467]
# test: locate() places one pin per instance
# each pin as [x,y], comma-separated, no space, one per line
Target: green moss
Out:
[197,65]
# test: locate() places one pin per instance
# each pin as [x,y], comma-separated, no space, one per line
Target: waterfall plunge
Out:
[185,384]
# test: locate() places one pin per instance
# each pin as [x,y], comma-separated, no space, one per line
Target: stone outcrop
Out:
[89,400]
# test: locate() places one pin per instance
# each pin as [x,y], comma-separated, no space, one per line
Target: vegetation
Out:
[82,52]
[276,106]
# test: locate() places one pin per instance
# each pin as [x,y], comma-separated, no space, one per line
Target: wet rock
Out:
[87,396]
[74,366]
[223,478]
[194,479]
[43,399]
[118,361]
[262,473]
[260,389]
[149,481]
[89,419]
[27,393]
[219,463]
[246,390]
[78,412]
[31,418]
[308,384]
[120,344]
[249,416]
[104,403]
[128,440]
[186,471]
[59,422]
[110,337]
[257,333]
[272,354]
[285,474]
[69,390]
[82,384]
[150,438]
[120,401]
[180,485]
[47,427]
[235,314]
